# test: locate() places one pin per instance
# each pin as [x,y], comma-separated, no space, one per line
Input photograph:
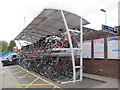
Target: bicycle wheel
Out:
[40,71]
[47,71]
[29,66]
[66,44]
[54,73]
[68,70]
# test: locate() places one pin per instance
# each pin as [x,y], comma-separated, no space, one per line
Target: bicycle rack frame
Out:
[72,50]
[71,53]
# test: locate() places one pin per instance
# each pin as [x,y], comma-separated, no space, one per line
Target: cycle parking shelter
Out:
[48,22]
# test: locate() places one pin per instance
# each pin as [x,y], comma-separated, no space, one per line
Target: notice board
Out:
[113,47]
[87,49]
[98,48]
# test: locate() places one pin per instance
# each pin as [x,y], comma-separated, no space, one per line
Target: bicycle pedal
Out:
[59,81]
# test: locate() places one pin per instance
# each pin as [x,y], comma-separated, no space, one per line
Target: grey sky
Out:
[12,13]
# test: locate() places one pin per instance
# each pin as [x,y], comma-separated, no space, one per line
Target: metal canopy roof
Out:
[48,22]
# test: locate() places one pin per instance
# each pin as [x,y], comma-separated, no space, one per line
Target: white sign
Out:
[113,47]
[110,29]
[99,48]
[87,49]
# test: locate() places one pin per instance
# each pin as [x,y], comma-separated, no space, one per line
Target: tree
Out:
[3,46]
[0,46]
[12,44]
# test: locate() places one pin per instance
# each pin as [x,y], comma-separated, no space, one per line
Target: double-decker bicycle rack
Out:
[77,74]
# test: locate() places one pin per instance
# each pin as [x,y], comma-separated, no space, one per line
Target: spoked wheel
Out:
[68,72]
[29,66]
[47,71]
[35,70]
[66,44]
[24,66]
[55,73]
[40,71]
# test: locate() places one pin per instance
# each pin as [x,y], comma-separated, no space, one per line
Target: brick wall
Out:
[104,67]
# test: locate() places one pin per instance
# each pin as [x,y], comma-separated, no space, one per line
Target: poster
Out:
[98,48]
[87,49]
[113,47]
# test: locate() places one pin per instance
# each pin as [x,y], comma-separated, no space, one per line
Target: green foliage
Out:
[12,44]
[3,46]
[0,46]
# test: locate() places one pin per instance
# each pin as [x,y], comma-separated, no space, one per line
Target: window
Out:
[14,56]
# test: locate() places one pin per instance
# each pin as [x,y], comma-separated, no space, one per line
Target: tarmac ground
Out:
[15,76]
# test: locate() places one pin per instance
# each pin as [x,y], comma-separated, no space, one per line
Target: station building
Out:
[101,65]
[106,65]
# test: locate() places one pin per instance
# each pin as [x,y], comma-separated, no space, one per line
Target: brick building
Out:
[105,67]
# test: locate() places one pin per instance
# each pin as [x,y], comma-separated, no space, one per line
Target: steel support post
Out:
[81,41]
[20,44]
[71,46]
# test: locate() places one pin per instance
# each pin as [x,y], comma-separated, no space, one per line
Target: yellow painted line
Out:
[31,83]
[53,88]
[21,76]
[29,76]
[49,83]
[40,78]
[40,84]
[18,78]
[12,69]
[56,87]
[17,72]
